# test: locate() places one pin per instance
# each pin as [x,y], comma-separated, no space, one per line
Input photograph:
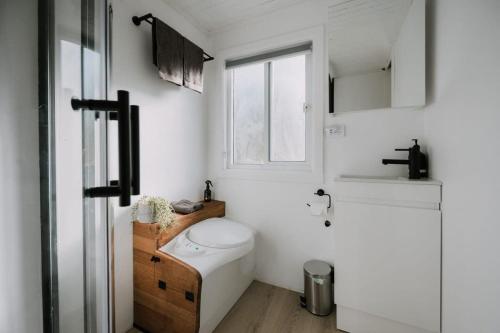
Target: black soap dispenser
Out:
[207,196]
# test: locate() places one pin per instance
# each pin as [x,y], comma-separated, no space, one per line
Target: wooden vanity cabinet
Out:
[166,290]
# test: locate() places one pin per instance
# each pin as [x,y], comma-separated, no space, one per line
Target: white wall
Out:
[461,123]
[172,124]
[288,234]
[20,273]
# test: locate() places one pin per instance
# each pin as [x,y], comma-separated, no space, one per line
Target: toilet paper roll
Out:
[318,208]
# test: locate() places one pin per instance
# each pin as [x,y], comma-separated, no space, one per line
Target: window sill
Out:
[273,175]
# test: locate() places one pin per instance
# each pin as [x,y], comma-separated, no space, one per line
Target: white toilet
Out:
[222,251]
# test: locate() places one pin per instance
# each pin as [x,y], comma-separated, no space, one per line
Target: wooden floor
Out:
[268,309]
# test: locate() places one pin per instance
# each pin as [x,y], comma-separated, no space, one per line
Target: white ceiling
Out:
[214,15]
[361,33]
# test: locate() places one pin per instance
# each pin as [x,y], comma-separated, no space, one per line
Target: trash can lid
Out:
[317,268]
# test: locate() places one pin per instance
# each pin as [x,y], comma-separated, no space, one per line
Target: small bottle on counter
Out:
[208,193]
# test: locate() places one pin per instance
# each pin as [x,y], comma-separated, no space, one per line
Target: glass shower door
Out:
[76,256]
[96,231]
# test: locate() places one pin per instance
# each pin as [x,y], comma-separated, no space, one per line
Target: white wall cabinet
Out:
[408,60]
[365,86]
[387,255]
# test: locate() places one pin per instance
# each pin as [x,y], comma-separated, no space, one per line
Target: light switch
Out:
[335,130]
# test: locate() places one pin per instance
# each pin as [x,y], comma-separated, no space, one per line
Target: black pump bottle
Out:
[208,193]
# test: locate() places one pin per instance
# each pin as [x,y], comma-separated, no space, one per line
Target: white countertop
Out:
[387,180]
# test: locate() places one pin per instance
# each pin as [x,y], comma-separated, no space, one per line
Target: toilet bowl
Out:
[222,251]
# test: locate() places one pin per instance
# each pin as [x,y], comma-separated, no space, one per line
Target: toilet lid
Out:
[219,233]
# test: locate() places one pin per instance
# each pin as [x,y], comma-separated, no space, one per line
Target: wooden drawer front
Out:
[173,318]
[151,321]
[177,275]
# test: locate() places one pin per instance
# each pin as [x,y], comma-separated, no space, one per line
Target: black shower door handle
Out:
[121,112]
[136,154]
[135,149]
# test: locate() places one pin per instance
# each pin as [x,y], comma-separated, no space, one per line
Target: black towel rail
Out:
[149,19]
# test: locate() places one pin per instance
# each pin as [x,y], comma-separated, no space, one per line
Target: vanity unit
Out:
[167,291]
[387,255]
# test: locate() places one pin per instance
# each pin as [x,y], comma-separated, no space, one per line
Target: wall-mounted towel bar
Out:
[149,19]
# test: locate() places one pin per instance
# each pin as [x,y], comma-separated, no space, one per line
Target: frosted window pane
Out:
[249,115]
[287,119]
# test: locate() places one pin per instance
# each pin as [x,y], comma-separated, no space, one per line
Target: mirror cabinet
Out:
[376,54]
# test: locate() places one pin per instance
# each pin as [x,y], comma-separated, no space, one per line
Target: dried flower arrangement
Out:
[161,210]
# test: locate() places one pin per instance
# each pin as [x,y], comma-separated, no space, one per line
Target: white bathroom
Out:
[197,166]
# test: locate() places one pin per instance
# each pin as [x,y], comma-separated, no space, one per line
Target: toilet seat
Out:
[219,233]
[211,244]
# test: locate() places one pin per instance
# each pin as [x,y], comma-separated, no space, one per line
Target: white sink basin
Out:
[386,179]
[399,191]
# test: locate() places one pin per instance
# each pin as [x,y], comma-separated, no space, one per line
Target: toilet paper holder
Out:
[320,192]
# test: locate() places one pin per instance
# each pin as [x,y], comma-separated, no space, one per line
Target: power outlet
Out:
[335,130]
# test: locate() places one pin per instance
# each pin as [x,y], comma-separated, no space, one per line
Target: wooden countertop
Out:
[150,231]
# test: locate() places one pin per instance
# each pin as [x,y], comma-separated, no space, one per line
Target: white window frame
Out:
[310,171]
[269,164]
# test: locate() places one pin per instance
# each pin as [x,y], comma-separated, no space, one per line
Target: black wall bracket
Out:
[320,192]
[138,19]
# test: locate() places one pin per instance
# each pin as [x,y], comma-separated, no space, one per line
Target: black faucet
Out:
[417,162]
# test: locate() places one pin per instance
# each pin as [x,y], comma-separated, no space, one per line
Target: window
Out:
[267,104]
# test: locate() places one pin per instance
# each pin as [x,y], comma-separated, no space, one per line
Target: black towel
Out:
[193,66]
[168,52]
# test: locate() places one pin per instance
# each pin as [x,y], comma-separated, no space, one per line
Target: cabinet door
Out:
[165,295]
[144,272]
[387,262]
[408,60]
